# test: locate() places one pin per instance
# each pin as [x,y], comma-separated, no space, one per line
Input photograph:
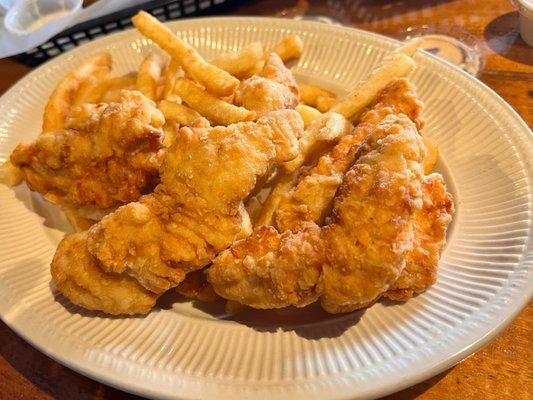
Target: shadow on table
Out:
[503,37]
[41,376]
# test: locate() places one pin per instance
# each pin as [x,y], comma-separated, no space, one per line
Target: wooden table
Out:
[503,369]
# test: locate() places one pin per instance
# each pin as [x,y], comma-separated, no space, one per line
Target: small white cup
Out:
[27,16]
[525,8]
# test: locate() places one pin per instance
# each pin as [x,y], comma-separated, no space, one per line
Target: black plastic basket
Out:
[88,30]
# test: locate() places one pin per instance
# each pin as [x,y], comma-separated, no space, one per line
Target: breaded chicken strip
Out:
[429,226]
[77,275]
[274,88]
[108,155]
[193,214]
[271,270]
[351,262]
[311,198]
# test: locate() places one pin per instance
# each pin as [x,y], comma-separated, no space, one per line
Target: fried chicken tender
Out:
[77,275]
[109,154]
[271,270]
[351,262]
[274,88]
[311,198]
[194,213]
[430,225]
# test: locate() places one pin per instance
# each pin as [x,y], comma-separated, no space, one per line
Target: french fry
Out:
[62,98]
[214,109]
[78,222]
[396,66]
[170,74]
[92,89]
[149,75]
[10,175]
[308,114]
[183,115]
[310,94]
[253,207]
[324,104]
[115,85]
[290,47]
[317,137]
[214,79]
[282,184]
[241,64]
[123,82]
[170,131]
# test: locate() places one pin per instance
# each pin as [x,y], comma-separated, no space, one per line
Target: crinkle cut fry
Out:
[363,249]
[188,219]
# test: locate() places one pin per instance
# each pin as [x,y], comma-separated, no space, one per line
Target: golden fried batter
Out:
[429,229]
[311,198]
[196,287]
[274,88]
[108,155]
[197,209]
[351,262]
[269,269]
[77,275]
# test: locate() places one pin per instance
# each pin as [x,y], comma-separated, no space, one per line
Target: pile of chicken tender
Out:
[228,180]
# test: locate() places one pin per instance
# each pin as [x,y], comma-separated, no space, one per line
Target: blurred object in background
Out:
[525,8]
[27,16]
[29,23]
[38,40]
[461,49]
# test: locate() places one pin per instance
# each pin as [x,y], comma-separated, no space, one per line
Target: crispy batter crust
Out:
[274,88]
[108,155]
[77,275]
[351,262]
[194,213]
[311,199]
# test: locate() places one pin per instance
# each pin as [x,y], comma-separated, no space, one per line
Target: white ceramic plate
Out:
[185,350]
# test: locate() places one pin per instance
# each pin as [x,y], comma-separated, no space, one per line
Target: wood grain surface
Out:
[503,369]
